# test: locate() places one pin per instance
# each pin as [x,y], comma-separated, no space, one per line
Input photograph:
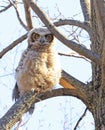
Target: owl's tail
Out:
[15,93]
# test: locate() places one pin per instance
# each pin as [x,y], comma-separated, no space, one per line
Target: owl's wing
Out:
[15,94]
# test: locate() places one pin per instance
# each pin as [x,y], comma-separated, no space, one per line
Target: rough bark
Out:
[98,71]
[85,5]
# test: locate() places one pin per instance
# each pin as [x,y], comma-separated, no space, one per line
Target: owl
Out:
[39,67]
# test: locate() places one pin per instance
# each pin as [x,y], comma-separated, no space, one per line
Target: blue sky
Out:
[56,113]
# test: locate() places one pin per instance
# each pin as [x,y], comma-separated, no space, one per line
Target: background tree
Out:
[91,94]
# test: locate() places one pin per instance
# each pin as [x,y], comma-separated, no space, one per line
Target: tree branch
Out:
[85,5]
[74,46]
[100,14]
[74,82]
[80,119]
[18,15]
[28,15]
[15,113]
[73,55]
[67,81]
[80,24]
[4,51]
[6,8]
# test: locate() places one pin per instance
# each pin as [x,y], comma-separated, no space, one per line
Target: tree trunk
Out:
[97,45]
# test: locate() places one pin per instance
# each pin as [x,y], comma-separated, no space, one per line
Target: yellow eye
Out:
[49,37]
[34,37]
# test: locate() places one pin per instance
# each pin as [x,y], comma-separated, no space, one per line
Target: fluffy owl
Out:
[39,67]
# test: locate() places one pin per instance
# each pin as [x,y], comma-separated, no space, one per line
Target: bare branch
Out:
[4,51]
[15,113]
[85,5]
[80,119]
[74,46]
[73,55]
[68,81]
[80,24]
[28,15]
[6,8]
[18,15]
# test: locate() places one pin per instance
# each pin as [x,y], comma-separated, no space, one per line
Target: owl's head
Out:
[40,37]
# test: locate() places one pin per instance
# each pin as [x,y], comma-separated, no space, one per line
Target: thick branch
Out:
[28,15]
[67,81]
[74,82]
[85,5]
[74,46]
[15,113]
[4,51]
[80,24]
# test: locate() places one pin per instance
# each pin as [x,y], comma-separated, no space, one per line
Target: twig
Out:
[73,55]
[6,8]
[83,25]
[13,45]
[80,119]
[18,15]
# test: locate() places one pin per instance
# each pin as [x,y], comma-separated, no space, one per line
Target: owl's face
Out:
[40,37]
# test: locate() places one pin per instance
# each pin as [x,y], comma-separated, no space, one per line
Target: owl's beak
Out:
[42,40]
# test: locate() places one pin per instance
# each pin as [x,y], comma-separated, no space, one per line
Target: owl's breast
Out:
[35,63]
[39,70]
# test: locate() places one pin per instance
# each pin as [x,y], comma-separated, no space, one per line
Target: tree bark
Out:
[98,71]
[85,5]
